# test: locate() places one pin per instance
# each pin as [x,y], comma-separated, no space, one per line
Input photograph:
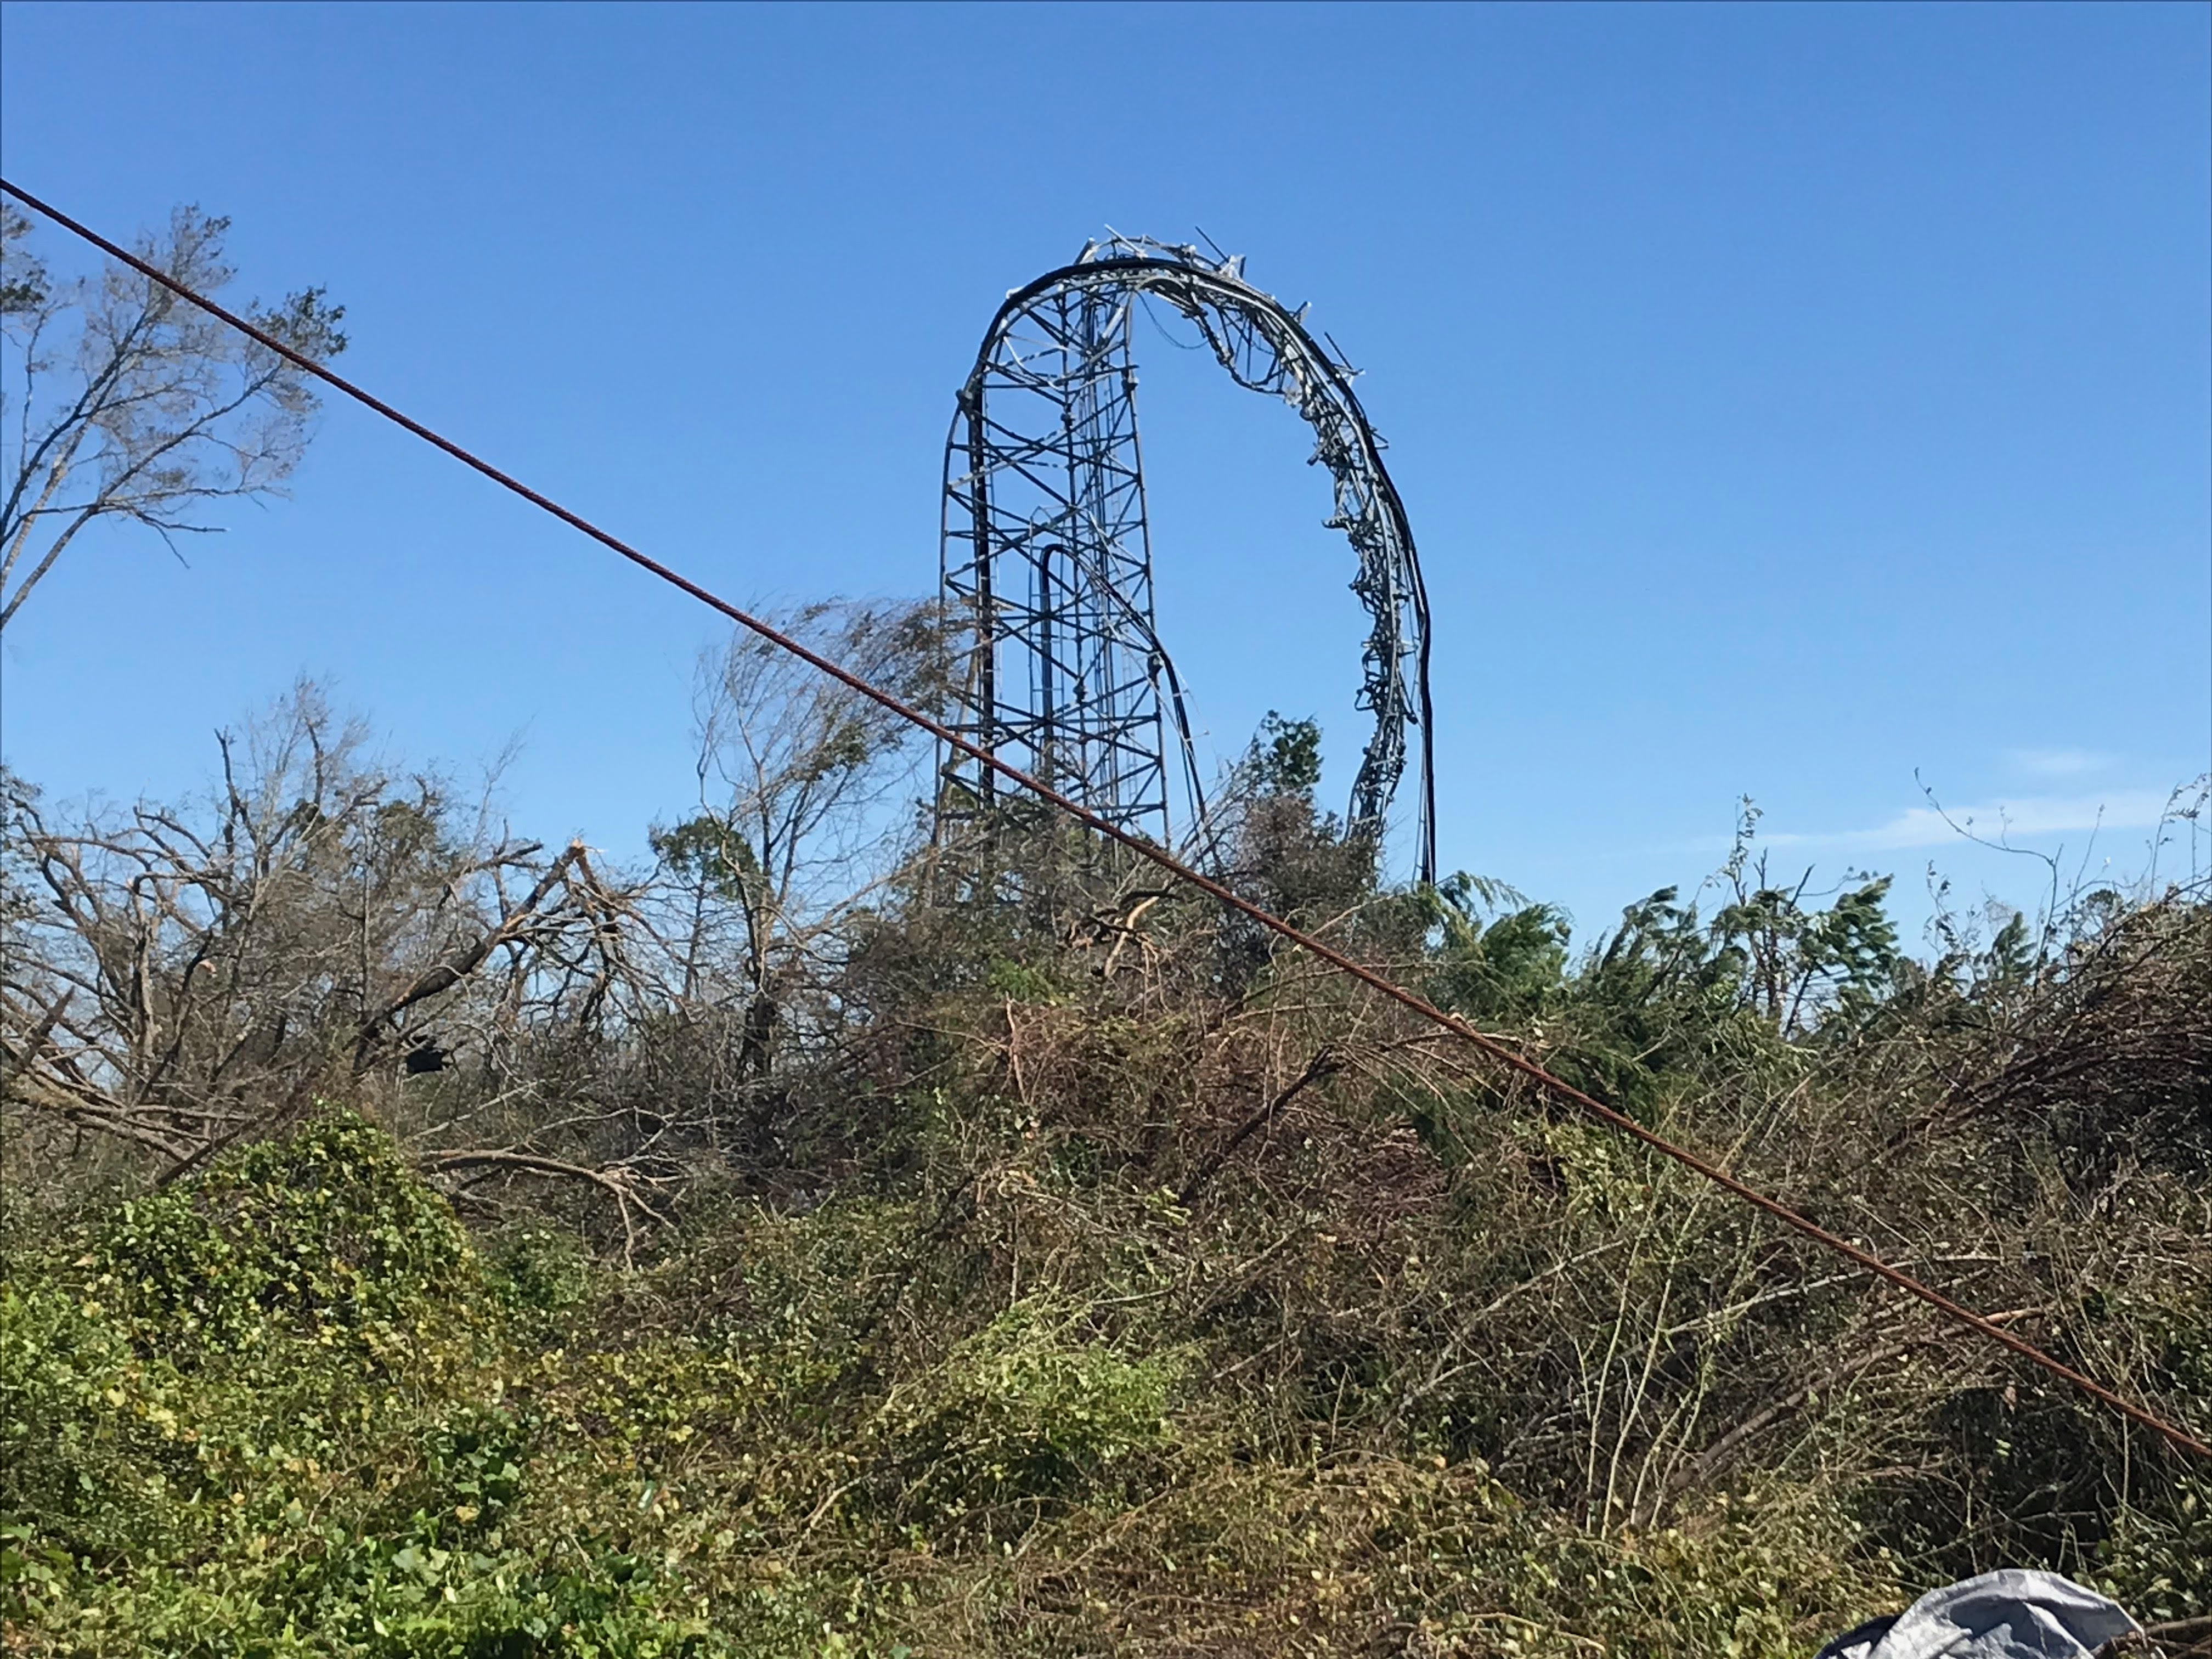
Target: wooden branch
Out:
[489,1158]
[82,1104]
[45,1029]
[451,969]
[1717,1454]
[1325,1063]
[2196,1633]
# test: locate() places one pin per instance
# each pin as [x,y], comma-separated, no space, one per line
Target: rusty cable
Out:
[2180,1439]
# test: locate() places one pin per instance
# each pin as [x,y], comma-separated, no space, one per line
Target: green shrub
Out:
[247,1419]
[2158,1566]
[539,1269]
[95,1438]
[1027,1410]
[326,1234]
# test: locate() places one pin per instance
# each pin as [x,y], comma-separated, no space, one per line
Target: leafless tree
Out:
[799,809]
[128,403]
[178,977]
[722,966]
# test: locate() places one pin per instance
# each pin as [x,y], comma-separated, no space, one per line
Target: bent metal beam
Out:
[1046,550]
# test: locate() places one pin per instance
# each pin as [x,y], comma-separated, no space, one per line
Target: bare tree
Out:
[176,977]
[130,403]
[799,782]
[721,971]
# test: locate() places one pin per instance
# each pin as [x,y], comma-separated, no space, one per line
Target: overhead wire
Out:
[2181,1439]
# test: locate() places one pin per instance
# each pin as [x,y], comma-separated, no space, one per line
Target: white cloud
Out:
[2058,762]
[2018,819]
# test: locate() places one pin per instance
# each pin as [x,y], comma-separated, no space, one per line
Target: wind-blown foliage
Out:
[1078,1273]
[126,403]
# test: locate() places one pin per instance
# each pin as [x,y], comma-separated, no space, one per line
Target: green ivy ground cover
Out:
[289,1407]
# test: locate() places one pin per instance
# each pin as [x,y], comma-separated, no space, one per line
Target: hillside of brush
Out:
[1017,1257]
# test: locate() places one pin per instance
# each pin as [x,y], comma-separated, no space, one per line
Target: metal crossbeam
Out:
[1047,561]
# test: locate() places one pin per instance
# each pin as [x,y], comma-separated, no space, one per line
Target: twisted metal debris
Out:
[1047,562]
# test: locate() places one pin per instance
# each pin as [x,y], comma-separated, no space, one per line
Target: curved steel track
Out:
[1047,555]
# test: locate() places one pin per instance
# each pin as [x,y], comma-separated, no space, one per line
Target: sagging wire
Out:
[2181,1439]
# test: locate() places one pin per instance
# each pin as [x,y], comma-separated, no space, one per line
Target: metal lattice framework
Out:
[1047,559]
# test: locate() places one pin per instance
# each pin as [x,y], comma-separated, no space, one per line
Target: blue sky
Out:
[1795,402]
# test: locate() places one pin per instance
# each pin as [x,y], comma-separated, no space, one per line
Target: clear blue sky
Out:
[1786,400]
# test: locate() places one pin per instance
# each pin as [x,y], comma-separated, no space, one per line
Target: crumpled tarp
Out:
[2013,1614]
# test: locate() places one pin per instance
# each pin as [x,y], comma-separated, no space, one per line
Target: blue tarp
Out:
[2013,1614]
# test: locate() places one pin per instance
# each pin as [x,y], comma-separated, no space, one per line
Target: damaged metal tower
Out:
[1047,562]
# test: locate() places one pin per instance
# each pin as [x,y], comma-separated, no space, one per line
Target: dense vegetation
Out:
[807,1248]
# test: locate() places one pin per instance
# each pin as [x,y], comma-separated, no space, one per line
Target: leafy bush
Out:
[2159,1566]
[245,1420]
[537,1268]
[1077,1272]
[326,1234]
[1024,1412]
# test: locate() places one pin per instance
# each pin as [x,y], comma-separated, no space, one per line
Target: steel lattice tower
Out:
[1047,561]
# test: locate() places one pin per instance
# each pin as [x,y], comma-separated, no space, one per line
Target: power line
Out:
[2178,1437]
